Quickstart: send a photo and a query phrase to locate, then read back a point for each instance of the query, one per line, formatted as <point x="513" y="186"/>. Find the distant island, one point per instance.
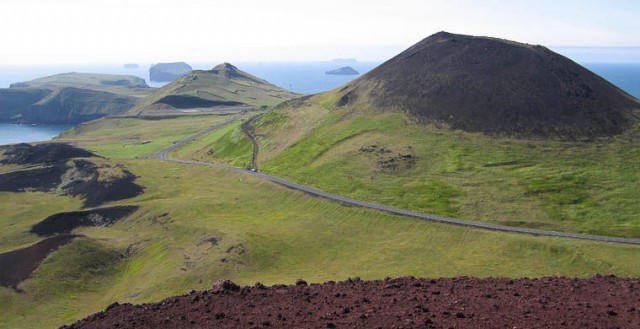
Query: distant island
<point x="167" y="72"/>
<point x="131" y="66"/>
<point x="346" y="70"/>
<point x="70" y="98"/>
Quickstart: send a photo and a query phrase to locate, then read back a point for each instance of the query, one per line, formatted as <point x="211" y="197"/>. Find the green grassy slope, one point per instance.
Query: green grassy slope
<point x="127" y="138"/>
<point x="199" y="224"/>
<point x="224" y="83"/>
<point x="385" y="157"/>
<point x="228" y="145"/>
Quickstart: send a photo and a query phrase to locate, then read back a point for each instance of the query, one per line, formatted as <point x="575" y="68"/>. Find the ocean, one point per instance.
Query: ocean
<point x="301" y="77"/>
<point x="625" y="76"/>
<point x="13" y="133"/>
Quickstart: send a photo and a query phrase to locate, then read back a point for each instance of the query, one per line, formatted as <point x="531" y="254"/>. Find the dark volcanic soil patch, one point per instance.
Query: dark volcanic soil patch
<point x="38" y="179"/>
<point x="41" y="153"/>
<point x="387" y="160"/>
<point x="16" y="266"/>
<point x="97" y="191"/>
<point x="599" y="302"/>
<point x="76" y="178"/>
<point x="495" y="86"/>
<point x="67" y="221"/>
<point x="186" y="102"/>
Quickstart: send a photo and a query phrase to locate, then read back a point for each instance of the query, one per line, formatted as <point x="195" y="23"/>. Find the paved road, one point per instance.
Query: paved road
<point x="163" y="154"/>
<point x="154" y="114"/>
<point x="351" y="202"/>
<point x="248" y="130"/>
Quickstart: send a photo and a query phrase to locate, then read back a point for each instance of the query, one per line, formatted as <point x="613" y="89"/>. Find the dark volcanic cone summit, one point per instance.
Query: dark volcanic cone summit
<point x="495" y="86"/>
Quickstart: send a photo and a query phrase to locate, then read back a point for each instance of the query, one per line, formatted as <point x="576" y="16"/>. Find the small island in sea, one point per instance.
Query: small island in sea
<point x="167" y="72"/>
<point x="346" y="70"/>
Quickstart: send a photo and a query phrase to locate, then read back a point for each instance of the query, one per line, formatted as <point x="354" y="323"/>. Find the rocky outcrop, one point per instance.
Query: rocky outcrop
<point x="27" y="154"/>
<point x="167" y="72"/>
<point x="89" y="177"/>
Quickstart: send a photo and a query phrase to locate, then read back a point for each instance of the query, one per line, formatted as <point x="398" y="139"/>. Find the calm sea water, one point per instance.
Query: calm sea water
<point x="625" y="76"/>
<point x="306" y="78"/>
<point x="13" y="133"/>
<point x="303" y="77"/>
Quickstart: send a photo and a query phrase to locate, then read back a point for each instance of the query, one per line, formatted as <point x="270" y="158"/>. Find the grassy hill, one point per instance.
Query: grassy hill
<point x="580" y="175"/>
<point x="196" y="225"/>
<point x="389" y="158"/>
<point x="223" y="85"/>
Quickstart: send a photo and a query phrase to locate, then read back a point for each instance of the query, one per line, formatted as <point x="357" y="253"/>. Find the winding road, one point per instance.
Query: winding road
<point x="163" y="155"/>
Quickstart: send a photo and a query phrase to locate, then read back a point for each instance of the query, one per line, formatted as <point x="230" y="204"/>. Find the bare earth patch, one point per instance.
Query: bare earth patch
<point x="16" y="266"/>
<point x="67" y="221"/>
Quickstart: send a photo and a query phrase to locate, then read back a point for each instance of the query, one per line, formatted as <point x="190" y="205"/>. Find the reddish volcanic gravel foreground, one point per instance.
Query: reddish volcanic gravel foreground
<point x="554" y="302"/>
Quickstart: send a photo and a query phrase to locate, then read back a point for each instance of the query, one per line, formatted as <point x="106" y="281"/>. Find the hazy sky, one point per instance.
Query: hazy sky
<point x="146" y="31"/>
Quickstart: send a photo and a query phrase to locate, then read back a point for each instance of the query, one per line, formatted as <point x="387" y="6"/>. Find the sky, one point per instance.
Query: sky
<point x="151" y="31"/>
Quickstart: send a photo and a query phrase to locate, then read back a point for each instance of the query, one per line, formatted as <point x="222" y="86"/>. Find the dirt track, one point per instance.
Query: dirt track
<point x="599" y="302"/>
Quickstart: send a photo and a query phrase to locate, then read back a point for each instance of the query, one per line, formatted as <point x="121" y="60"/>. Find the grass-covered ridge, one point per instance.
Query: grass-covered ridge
<point x="223" y="85"/>
<point x="385" y="157"/>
